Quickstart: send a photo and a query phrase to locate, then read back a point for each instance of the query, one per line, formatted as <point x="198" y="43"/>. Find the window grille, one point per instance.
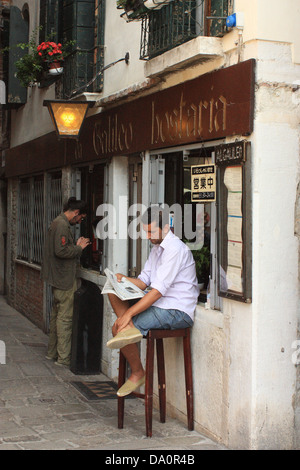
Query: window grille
<point x="181" y="21"/>
<point x="84" y="24"/>
<point x="37" y="222"/>
<point x="55" y="199"/>
<point x="31" y="220"/>
<point x="24" y="221"/>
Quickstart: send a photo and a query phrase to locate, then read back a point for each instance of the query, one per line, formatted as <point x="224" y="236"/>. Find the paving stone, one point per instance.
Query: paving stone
<point x="41" y="410"/>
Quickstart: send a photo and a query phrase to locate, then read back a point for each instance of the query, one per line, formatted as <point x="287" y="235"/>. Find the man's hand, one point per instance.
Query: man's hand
<point x="122" y="321"/>
<point x="83" y="242"/>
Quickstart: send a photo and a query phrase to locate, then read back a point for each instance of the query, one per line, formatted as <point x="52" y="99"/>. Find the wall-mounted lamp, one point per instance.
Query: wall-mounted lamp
<point x="68" y="116"/>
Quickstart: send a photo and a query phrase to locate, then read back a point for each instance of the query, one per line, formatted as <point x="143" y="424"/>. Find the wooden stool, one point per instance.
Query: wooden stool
<point x="159" y="335"/>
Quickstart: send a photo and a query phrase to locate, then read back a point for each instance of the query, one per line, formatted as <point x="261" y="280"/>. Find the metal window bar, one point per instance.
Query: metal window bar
<point x="23" y="242"/>
<point x="55" y="199"/>
<point x="181" y="21"/>
<point x="79" y="68"/>
<point x="218" y="10"/>
<point x="38" y="222"/>
<point x="168" y="27"/>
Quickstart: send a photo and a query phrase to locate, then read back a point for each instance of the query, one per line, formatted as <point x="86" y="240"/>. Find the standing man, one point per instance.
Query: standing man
<point x="60" y="261"/>
<point x="171" y="302"/>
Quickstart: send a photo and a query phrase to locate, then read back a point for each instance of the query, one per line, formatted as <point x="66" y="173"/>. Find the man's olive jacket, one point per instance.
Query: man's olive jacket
<point x="61" y="255"/>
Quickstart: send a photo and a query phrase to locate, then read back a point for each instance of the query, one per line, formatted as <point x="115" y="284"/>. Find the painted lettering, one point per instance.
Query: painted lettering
<point x="188" y="120"/>
<point x="113" y="136"/>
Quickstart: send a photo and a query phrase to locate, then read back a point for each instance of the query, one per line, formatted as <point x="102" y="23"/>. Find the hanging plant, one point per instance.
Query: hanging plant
<point x="33" y="66"/>
<point x="137" y="8"/>
<point x="134" y="9"/>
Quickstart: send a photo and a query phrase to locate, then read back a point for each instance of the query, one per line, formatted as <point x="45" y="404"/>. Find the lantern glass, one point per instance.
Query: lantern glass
<point x="67" y="116"/>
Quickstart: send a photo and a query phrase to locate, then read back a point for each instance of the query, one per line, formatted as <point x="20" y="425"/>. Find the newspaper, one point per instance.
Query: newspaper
<point x="124" y="289"/>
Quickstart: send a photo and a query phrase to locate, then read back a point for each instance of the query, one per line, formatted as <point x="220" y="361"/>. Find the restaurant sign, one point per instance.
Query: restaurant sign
<point x="211" y="106"/>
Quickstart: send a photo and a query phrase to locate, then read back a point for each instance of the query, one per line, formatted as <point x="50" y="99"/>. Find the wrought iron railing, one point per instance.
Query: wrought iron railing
<point x="79" y="69"/>
<point x="181" y="21"/>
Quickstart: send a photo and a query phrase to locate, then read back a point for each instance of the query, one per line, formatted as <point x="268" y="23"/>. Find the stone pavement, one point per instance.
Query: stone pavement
<point x="41" y="410"/>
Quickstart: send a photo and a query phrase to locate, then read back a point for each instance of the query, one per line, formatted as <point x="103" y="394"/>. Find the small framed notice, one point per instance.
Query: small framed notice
<point x="234" y="221"/>
<point x="203" y="183"/>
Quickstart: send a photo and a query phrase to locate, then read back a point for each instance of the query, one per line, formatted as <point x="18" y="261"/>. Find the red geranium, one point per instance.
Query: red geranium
<point x="50" y="51"/>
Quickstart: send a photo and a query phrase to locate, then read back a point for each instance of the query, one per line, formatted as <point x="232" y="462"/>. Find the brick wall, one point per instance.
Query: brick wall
<point x="29" y="294"/>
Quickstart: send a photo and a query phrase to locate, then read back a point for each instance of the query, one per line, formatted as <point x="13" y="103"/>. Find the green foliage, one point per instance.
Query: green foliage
<point x="29" y="69"/>
<point x="33" y="64"/>
<point x="202" y="260"/>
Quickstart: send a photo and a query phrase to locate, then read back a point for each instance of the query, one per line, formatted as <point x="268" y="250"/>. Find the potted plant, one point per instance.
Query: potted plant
<point x="39" y="61"/>
<point x="156" y="4"/>
<point x="51" y="54"/>
<point x="134" y="9"/>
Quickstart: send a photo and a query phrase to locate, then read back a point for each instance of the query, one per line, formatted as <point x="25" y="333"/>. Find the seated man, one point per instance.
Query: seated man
<point x="170" y="304"/>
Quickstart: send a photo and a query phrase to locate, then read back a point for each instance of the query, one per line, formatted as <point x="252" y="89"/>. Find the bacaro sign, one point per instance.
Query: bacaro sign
<point x="214" y="105"/>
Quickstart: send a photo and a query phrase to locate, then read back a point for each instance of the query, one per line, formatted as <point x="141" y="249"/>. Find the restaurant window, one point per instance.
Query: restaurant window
<point x="92" y="188"/>
<point x="83" y="23"/>
<point x="193" y="222"/>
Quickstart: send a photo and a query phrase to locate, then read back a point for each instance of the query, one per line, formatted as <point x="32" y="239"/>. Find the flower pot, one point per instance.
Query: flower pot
<point x="156" y="4"/>
<point x="55" y="68"/>
<point x="134" y="10"/>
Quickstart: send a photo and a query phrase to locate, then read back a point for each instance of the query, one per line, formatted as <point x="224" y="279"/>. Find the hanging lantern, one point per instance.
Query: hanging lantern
<point x="68" y="116"/>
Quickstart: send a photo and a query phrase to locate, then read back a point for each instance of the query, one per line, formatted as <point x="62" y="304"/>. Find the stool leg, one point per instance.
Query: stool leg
<point x="188" y="379"/>
<point x="149" y="385"/>
<point x="161" y="379"/>
<point x="121" y="380"/>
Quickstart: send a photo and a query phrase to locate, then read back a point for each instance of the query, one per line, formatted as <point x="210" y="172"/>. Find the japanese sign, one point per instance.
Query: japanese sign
<point x="203" y="183"/>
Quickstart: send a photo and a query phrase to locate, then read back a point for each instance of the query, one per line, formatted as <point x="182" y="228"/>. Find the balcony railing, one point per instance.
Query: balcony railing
<point x="181" y="21"/>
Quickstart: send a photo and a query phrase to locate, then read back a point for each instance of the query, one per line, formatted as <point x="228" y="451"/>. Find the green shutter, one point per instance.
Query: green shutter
<point x="18" y="33"/>
<point x="79" y="26"/>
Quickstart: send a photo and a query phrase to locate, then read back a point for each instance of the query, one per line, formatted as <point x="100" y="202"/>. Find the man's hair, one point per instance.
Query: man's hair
<point x="74" y="204"/>
<point x="156" y="214"/>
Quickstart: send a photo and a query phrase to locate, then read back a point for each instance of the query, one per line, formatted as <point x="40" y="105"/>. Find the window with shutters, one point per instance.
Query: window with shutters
<point x="83" y="22"/>
<point x="80" y="21"/>
<point x="180" y="21"/>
